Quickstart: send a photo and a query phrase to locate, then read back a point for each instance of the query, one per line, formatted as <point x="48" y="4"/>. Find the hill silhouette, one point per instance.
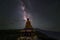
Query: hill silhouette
<point x="51" y="35"/>
<point x="42" y="34"/>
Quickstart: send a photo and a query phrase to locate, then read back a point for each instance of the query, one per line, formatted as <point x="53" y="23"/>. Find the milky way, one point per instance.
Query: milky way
<point x="25" y="13"/>
<point x="41" y="12"/>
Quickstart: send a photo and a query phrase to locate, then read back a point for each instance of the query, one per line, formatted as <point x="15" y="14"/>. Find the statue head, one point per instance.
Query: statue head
<point x="27" y="19"/>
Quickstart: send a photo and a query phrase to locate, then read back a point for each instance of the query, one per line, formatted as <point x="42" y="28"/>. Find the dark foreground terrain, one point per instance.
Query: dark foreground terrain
<point x="14" y="34"/>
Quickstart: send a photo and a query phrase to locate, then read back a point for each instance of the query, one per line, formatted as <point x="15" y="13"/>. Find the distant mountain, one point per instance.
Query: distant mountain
<point x="13" y="34"/>
<point x="50" y="34"/>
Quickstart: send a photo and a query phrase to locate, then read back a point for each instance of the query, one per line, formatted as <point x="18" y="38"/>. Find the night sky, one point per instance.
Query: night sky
<point x="44" y="14"/>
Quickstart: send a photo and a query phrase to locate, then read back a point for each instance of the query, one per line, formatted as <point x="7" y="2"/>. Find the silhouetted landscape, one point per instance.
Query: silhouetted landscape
<point x="14" y="34"/>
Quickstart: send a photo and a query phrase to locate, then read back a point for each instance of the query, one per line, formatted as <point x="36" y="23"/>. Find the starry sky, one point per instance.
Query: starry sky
<point x="44" y="14"/>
